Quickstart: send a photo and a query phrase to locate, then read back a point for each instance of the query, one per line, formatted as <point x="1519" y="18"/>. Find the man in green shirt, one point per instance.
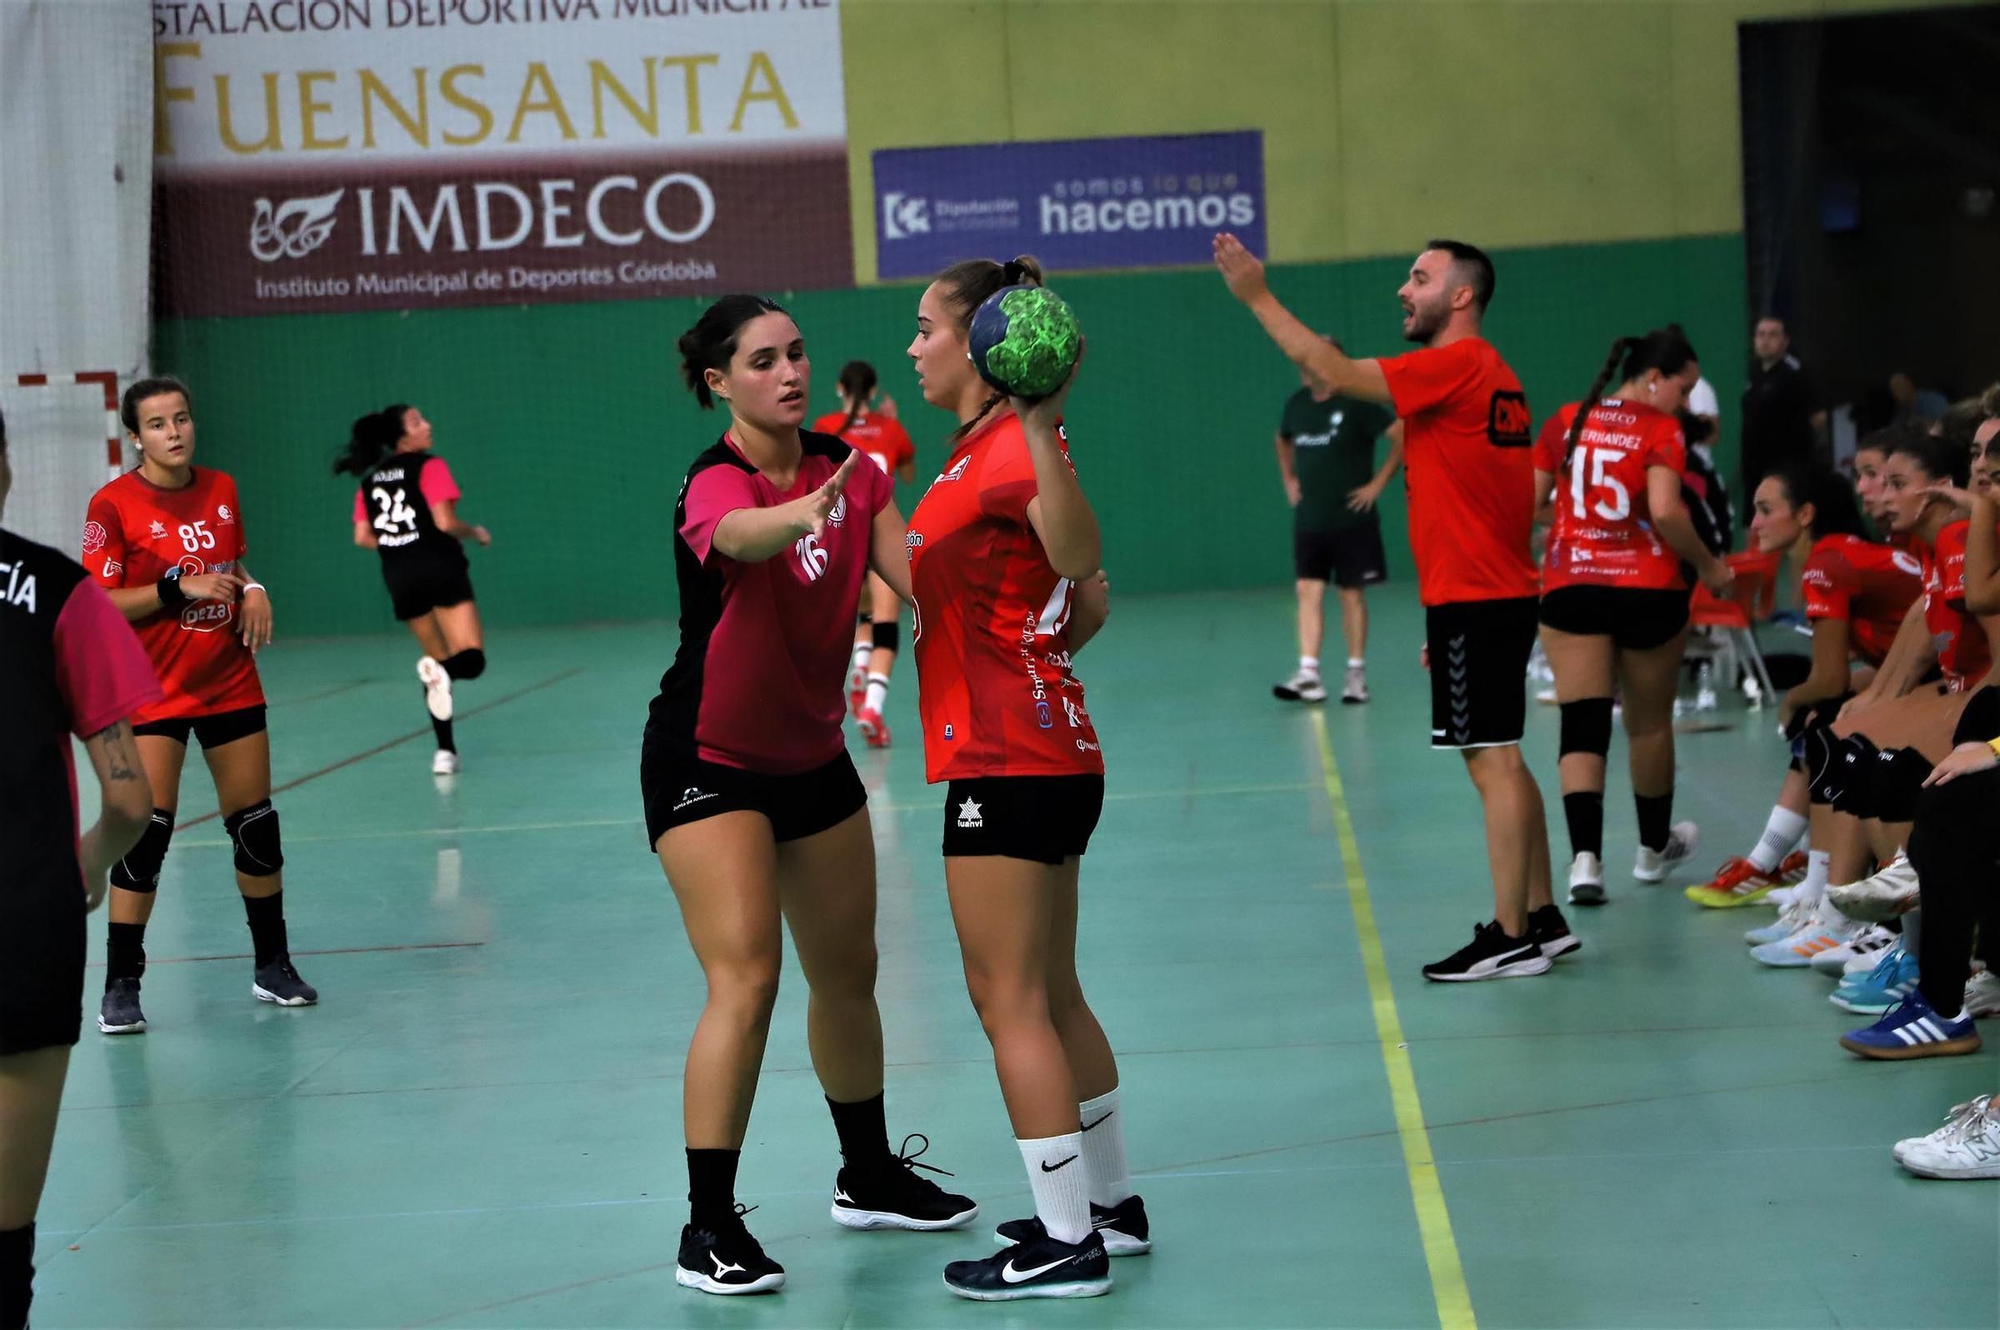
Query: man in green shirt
<point x="1326" y="457"/>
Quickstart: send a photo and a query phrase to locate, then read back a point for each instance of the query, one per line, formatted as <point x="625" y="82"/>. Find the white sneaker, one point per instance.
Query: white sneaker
<point x="1354" y="688"/>
<point x="1301" y="687"/>
<point x="1982" y="994"/>
<point x="1653" y="866"/>
<point x="1798" y="912"/>
<point x="1586" y="880"/>
<point x="1858" y="954"/>
<point x="444" y="763"/>
<point x="1892" y="891"/>
<point x="1797" y="951"/>
<point x="1966" y="1146"/>
<point x="437" y="688"/>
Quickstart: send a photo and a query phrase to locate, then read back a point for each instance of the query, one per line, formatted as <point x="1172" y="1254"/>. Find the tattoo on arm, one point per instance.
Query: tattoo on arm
<point x="120" y="762"/>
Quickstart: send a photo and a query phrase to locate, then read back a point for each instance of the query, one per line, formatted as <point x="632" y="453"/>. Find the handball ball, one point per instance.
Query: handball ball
<point x="1025" y="341"/>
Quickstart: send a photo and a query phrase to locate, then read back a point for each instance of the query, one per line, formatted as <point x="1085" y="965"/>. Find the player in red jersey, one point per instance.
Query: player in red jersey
<point x="406" y="510"/>
<point x="1466" y="439"/>
<point x="752" y="803"/>
<point x="1004" y="555"/>
<point x="1856" y="593"/>
<point x="69" y="665"/>
<point x="1614" y="595"/>
<point x="876" y="435"/>
<point x="166" y="541"/>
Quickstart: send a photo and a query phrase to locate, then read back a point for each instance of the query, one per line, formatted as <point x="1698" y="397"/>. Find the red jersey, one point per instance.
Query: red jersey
<point x="136" y="534"/>
<point x="1466" y="437"/>
<point x="1871" y="586"/>
<point x="1960" y="642"/>
<point x="992" y="623"/>
<point x="757" y="682"/>
<point x="1604" y="535"/>
<point x="881" y="439"/>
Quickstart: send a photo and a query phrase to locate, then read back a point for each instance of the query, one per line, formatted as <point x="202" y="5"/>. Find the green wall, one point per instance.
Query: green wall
<point x="569" y="430"/>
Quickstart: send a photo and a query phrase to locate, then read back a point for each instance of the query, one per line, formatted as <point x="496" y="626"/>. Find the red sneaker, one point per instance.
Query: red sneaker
<point x="873" y="728"/>
<point x="1738" y="882"/>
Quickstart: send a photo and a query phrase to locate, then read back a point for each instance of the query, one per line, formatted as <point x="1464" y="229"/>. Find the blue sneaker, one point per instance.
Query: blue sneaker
<point x="1882" y="988"/>
<point x="1913" y="1030"/>
<point x="1797" y="951"/>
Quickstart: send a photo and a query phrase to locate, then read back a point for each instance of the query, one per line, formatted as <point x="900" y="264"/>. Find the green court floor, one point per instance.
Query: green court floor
<point x="480" y="1124"/>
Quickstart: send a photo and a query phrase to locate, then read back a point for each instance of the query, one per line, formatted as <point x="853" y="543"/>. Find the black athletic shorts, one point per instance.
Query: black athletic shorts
<point x="1479" y="667"/>
<point x="1046" y="819"/>
<point x="680" y="788"/>
<point x="421" y="583"/>
<point x="41" y="967"/>
<point x="225" y="727"/>
<point x="1635" y="619"/>
<point x="1351" y="558"/>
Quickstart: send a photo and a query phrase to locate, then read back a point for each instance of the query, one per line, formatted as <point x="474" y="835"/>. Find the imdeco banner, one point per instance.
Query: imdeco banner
<point x="321" y="155"/>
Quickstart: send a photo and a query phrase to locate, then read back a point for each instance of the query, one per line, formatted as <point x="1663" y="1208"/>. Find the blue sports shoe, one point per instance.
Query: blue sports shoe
<point x="1882" y="988"/>
<point x="1913" y="1030"/>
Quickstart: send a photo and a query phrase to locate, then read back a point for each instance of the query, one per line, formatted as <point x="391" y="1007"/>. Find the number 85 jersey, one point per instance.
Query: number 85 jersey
<point x="992" y="627"/>
<point x="136" y="534"/>
<point x="1604" y="533"/>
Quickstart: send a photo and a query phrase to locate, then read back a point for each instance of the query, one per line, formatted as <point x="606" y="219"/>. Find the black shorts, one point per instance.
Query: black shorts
<point x="225" y="727"/>
<point x="1635" y="619"/>
<point x="1045" y="819"/>
<point x="1479" y="671"/>
<point x="41" y="967"/>
<point x="680" y="788"/>
<point x="419" y="584"/>
<point x="1350" y="558"/>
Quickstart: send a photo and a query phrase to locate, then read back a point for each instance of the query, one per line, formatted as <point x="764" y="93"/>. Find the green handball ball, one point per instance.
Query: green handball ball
<point x="1025" y="341"/>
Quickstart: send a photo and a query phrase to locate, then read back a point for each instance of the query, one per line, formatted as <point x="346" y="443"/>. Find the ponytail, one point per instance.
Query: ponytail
<point x="372" y="438"/>
<point x="857" y="384"/>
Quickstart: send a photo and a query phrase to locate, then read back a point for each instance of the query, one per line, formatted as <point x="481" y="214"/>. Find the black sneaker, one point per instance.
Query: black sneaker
<point x="278" y="982"/>
<point x="722" y="1257"/>
<point x="1123" y="1228"/>
<point x="120" y="1013"/>
<point x="1490" y="955"/>
<point x="895" y="1197"/>
<point x="1043" y="1268"/>
<point x="1548" y="930"/>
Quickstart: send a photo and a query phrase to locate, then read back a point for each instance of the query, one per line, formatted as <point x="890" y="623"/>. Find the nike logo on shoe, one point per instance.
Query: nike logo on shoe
<point x="1050" y="1168"/>
<point x="1100" y="1122"/>
<point x="1013" y="1276"/>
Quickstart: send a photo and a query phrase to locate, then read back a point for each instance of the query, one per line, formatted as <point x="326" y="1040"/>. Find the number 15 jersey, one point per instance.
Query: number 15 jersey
<point x="1604" y="533"/>
<point x="136" y="534"/>
<point x="992" y="627"/>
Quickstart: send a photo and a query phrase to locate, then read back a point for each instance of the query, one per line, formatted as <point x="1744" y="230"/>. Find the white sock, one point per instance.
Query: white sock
<point x="1355" y="662"/>
<point x="1059" y="1176"/>
<point x="1781" y="834"/>
<point x="1813" y="889"/>
<point x="1309" y="665"/>
<point x="863" y="653"/>
<point x="878" y="693"/>
<point x="1104" y="1150"/>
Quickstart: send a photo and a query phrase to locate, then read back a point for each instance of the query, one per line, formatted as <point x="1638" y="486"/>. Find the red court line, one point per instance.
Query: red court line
<point x="327" y="951"/>
<point x="397" y="742"/>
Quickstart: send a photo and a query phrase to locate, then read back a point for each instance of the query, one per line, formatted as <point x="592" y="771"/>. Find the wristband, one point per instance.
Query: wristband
<point x="256" y="586"/>
<point x="171" y="595"/>
<point x="1994" y="744"/>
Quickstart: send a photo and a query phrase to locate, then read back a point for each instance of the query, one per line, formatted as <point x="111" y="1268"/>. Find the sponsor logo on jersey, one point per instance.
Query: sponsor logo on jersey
<point x="912" y="540"/>
<point x="94" y="536"/>
<point x="1508" y="424"/>
<point x="957" y="470"/>
<point x="837" y="515"/>
<point x="113" y="568"/>
<point x="223" y="513"/>
<point x="158" y="531"/>
<point x="1908" y="562"/>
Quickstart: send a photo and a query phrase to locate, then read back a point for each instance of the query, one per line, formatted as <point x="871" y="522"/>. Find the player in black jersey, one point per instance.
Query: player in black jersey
<point x="406" y="511"/>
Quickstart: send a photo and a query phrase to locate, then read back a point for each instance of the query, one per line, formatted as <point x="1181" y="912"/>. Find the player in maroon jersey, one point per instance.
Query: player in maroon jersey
<point x="752" y="803"/>
<point x="166" y="540"/>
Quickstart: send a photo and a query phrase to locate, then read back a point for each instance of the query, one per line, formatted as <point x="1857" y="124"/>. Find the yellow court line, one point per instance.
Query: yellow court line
<point x="1454" y="1302"/>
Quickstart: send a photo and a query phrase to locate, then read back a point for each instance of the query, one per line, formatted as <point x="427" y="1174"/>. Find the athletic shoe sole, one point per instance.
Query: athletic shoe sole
<point x="1080" y="1288"/>
<point x="1561" y="946"/>
<point x="1712" y="899"/>
<point x="264" y="994"/>
<point x="1284" y="694"/>
<point x="696" y="1280"/>
<point x="1115" y="1243"/>
<point x="1940" y="1048"/>
<point x="1512" y="970"/>
<point x="1955" y="1175"/>
<point x="870" y="1219"/>
<point x="137" y="1028"/>
<point x="1586" y="893"/>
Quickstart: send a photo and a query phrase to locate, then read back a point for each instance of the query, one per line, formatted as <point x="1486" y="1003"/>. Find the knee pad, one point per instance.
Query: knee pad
<point x="1831" y="763"/>
<point x="1586" y="726"/>
<point x="1897" y="780"/>
<point x="888" y="636"/>
<point x="255" y="832"/>
<point x="139" y="870"/>
<point x="467" y="664"/>
<point x="1853" y="781"/>
<point x="863" y="617"/>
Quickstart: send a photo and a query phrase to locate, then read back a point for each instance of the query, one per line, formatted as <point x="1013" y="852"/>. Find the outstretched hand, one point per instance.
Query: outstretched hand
<point x="1242" y="271"/>
<point x="815" y="508"/>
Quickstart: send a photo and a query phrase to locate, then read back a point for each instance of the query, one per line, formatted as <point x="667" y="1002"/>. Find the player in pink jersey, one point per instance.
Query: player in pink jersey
<point x="752" y="803"/>
<point x="1004" y="553"/>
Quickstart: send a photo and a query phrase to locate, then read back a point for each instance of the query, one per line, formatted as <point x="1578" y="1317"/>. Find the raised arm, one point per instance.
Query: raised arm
<point x="1243" y="273"/>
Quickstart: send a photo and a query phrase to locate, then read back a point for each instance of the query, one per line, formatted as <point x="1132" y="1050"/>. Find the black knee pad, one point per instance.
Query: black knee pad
<point x="1832" y="763"/>
<point x="1586" y="726"/>
<point x="1896" y="781"/>
<point x="888" y="636"/>
<point x="255" y="831"/>
<point x="139" y="870"/>
<point x="1853" y="779"/>
<point x="467" y="664"/>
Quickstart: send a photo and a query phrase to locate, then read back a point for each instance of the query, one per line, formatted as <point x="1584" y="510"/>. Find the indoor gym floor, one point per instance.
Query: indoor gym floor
<point x="480" y="1125"/>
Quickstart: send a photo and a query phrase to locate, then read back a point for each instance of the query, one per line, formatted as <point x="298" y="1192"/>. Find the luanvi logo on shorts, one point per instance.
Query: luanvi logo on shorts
<point x="969" y="816"/>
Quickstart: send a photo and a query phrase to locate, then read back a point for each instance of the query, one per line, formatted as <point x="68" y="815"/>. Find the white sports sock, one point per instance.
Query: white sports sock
<point x="1355" y="662"/>
<point x="1818" y="864"/>
<point x="1308" y="664"/>
<point x="862" y="652"/>
<point x="1781" y="835"/>
<point x="1104" y="1149"/>
<point x="878" y="693"/>
<point x="1059" y="1176"/>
